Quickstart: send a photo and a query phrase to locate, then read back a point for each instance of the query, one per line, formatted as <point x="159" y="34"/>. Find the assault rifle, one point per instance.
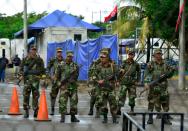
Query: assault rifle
<point x="162" y="78"/>
<point x="105" y="84"/>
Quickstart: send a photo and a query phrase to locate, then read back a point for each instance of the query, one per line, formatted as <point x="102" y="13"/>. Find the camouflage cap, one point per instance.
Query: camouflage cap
<point x="106" y="50"/>
<point x="58" y="49"/>
<point x="69" y="53"/>
<point x="33" y="47"/>
<point x="131" y="51"/>
<point x="157" y="51"/>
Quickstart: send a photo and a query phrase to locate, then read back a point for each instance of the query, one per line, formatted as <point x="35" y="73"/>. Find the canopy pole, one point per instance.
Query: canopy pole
<point x="25" y="28"/>
<point x="181" y="81"/>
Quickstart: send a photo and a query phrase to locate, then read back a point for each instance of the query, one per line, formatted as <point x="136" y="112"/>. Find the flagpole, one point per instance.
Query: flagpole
<point x="181" y="80"/>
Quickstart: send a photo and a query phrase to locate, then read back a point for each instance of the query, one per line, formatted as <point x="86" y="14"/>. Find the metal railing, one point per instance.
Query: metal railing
<point x="128" y="120"/>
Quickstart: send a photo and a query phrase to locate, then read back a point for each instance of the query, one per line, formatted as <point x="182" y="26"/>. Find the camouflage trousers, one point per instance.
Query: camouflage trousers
<point x="95" y="98"/>
<point x="54" y="92"/>
<point x="63" y="99"/>
<point x="31" y="86"/>
<point x="131" y="89"/>
<point x="108" y="96"/>
<point x="158" y="100"/>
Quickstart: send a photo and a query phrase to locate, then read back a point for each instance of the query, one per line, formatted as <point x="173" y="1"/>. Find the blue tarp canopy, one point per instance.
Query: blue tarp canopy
<point x="86" y="52"/>
<point x="58" y="19"/>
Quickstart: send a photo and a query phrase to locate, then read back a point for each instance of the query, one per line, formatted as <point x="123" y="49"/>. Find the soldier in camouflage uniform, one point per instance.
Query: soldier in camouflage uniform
<point x="129" y="77"/>
<point x="53" y="63"/>
<point x="95" y="92"/>
<point x="32" y="67"/>
<point x="105" y="76"/>
<point x="158" y="95"/>
<point x="68" y="72"/>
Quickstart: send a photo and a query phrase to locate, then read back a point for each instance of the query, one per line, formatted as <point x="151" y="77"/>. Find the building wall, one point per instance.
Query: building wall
<point x="6" y="46"/>
<point x="17" y="47"/>
<point x="57" y="34"/>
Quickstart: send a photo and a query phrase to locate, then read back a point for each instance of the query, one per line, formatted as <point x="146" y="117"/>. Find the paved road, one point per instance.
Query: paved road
<point x="179" y="103"/>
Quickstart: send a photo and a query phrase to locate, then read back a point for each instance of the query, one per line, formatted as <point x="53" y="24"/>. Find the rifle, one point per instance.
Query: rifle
<point x="105" y="84"/>
<point x="162" y="78"/>
<point x="19" y="80"/>
<point x="66" y="79"/>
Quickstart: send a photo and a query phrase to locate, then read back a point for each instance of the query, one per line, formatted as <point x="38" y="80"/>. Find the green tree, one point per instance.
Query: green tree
<point x="11" y="24"/>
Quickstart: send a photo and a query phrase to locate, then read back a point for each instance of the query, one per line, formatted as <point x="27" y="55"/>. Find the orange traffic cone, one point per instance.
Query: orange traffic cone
<point x="14" y="105"/>
<point x="43" y="110"/>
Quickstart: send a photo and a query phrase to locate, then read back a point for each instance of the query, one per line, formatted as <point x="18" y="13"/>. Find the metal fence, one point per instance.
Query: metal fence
<point x="128" y="121"/>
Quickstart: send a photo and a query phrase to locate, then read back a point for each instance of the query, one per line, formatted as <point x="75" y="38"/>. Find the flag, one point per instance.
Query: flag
<point x="112" y="16"/>
<point x="179" y="16"/>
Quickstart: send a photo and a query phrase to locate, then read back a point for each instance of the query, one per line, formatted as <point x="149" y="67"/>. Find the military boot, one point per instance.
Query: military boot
<point x="62" y="118"/>
<point x="97" y="115"/>
<point x="90" y="112"/>
<point x="105" y="119"/>
<point x="74" y="119"/>
<point x="52" y="111"/>
<point x="167" y="121"/>
<point x="132" y="111"/>
<point x="35" y="113"/>
<point x="26" y="115"/>
<point x="150" y="120"/>
<point x="114" y="120"/>
<point x="119" y="111"/>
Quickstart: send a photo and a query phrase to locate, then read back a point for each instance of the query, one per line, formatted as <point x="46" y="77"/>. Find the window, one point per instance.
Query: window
<point x="3" y="43"/>
<point x="77" y="37"/>
<point x="156" y="44"/>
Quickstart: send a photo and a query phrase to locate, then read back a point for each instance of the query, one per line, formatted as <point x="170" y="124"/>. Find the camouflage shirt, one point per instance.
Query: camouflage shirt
<point x="132" y="72"/>
<point x="32" y="67"/>
<point x="53" y="63"/>
<point x="154" y="70"/>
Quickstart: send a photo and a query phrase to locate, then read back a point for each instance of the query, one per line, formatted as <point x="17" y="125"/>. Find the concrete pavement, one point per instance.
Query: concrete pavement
<point x="178" y="100"/>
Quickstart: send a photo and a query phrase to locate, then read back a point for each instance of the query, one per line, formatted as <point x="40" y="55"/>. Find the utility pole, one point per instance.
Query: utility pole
<point x="92" y="17"/>
<point x="25" y="27"/>
<point x="181" y="81"/>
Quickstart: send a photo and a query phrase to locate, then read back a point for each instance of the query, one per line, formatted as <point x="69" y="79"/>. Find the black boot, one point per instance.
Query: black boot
<point x="132" y="111"/>
<point x="167" y="121"/>
<point x="105" y="119"/>
<point x="62" y="118"/>
<point x="74" y="119"/>
<point x="52" y="111"/>
<point x="35" y="113"/>
<point x="26" y="115"/>
<point x="97" y="115"/>
<point x="114" y="120"/>
<point x="119" y="111"/>
<point x="90" y="112"/>
<point x="150" y="120"/>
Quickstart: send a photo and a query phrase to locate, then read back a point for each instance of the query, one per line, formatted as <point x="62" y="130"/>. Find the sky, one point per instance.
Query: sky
<point x="75" y="7"/>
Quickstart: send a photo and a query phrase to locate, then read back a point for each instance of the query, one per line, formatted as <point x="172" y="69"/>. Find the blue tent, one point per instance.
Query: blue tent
<point x="57" y="19"/>
<point x="85" y="53"/>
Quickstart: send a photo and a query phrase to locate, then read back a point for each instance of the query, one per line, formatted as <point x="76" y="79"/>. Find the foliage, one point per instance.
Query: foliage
<point x="93" y="35"/>
<point x="11" y="24"/>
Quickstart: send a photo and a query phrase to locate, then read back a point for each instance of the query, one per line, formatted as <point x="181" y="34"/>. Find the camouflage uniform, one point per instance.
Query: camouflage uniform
<point x="94" y="93"/>
<point x="158" y="95"/>
<point x="69" y="88"/>
<point x="53" y="63"/>
<point x="128" y="82"/>
<point x="107" y="89"/>
<point x="31" y="68"/>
